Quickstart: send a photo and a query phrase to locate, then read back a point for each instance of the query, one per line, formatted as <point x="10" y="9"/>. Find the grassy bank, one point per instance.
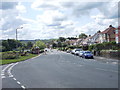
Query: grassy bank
<point x="21" y="58"/>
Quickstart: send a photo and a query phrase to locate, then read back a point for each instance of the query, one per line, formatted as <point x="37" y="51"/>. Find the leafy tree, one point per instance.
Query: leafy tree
<point x="29" y="45"/>
<point x="5" y="46"/>
<point x="54" y="45"/>
<point x="83" y="36"/>
<point x="39" y="44"/>
<point x="62" y="39"/>
<point x="59" y="44"/>
<point x="10" y="44"/>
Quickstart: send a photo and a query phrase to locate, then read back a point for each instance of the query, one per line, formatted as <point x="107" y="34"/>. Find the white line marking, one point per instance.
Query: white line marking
<point x="18" y="82"/>
<point x="14" y="78"/>
<point x="23" y="87"/>
<point x="3" y="77"/>
<point x="2" y="74"/>
<point x="9" y="70"/>
<point x="7" y="67"/>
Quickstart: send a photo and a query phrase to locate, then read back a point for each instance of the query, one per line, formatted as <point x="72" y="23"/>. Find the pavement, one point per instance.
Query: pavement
<point x="59" y="69"/>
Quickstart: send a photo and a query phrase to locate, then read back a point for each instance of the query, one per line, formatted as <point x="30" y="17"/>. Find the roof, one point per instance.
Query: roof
<point x="108" y="29"/>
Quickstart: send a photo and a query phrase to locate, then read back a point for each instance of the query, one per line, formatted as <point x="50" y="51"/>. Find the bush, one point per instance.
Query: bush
<point x="9" y="55"/>
<point x="104" y="46"/>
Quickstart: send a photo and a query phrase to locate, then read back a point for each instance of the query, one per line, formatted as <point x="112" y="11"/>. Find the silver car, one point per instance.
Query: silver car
<point x="81" y="53"/>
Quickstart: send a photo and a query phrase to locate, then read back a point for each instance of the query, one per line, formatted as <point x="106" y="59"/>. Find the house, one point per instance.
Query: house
<point x="107" y="35"/>
<point x="87" y="41"/>
<point x="117" y="35"/>
<point x="95" y="38"/>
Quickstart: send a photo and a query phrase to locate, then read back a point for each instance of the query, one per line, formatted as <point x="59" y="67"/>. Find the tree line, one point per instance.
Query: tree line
<point x="12" y="44"/>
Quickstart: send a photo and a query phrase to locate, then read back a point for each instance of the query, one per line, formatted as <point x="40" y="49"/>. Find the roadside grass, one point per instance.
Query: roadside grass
<point x="21" y="58"/>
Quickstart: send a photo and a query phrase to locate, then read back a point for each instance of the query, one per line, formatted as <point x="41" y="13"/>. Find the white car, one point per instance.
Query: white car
<point x="73" y="51"/>
<point x="76" y="51"/>
<point x="81" y="53"/>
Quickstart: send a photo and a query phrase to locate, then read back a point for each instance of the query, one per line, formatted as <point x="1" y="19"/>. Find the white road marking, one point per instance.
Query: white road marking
<point x="2" y="74"/>
<point x="23" y="87"/>
<point x="14" y="78"/>
<point x="18" y="82"/>
<point x="3" y="77"/>
<point x="7" y="67"/>
<point x="9" y="70"/>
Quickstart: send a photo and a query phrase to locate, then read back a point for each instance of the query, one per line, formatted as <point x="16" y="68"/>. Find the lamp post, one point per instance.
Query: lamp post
<point x="16" y="40"/>
<point x="16" y="31"/>
<point x="16" y="35"/>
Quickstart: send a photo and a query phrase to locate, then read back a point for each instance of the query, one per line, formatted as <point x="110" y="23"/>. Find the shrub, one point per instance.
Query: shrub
<point x="9" y="56"/>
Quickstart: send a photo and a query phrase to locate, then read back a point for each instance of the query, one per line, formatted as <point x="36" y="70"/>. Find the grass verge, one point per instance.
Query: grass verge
<point x="22" y="58"/>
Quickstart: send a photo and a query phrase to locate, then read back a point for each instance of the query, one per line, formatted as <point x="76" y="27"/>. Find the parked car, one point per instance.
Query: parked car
<point x="87" y="54"/>
<point x="68" y="51"/>
<point x="73" y="51"/>
<point x="81" y="53"/>
<point x="76" y="51"/>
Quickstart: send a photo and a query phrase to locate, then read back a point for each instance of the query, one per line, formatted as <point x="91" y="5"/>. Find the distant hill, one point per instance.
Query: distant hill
<point x="25" y="41"/>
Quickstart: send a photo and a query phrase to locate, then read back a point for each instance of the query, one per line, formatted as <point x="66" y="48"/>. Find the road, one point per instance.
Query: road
<point x="60" y="70"/>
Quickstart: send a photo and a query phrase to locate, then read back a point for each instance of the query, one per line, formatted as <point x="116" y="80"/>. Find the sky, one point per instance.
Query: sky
<point x="50" y="19"/>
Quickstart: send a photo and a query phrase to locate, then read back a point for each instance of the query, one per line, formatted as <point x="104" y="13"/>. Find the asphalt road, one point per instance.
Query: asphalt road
<point x="60" y="70"/>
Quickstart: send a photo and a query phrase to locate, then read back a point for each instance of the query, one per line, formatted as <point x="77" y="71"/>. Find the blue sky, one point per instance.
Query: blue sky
<point x="46" y="19"/>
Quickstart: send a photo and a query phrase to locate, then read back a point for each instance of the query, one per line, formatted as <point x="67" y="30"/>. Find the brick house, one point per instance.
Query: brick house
<point x="117" y="35"/>
<point x="107" y="35"/>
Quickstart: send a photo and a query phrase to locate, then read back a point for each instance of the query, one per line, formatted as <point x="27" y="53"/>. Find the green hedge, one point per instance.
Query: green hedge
<point x="105" y="46"/>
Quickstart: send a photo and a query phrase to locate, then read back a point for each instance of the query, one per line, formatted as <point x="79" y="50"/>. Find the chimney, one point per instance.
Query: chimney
<point x="98" y="31"/>
<point x="89" y="35"/>
<point x="110" y="26"/>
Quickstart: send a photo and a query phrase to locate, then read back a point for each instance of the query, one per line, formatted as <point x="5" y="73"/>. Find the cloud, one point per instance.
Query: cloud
<point x="21" y="8"/>
<point x="8" y="5"/>
<point x="55" y="18"/>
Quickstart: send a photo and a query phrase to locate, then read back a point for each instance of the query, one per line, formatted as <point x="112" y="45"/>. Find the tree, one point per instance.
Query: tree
<point x="10" y="44"/>
<point x="59" y="44"/>
<point x="62" y="39"/>
<point x="83" y="36"/>
<point x="29" y="45"/>
<point x="54" y="45"/>
<point x="39" y="44"/>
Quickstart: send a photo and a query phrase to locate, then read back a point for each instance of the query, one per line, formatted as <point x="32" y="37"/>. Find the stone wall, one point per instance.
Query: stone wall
<point x="109" y="54"/>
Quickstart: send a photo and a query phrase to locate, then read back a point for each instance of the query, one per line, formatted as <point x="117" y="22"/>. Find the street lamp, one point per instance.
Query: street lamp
<point x="16" y="36"/>
<point x="16" y="31"/>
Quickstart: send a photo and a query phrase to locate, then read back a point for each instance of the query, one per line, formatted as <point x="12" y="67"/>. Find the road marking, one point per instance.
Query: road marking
<point x="14" y="78"/>
<point x="2" y="74"/>
<point x="9" y="70"/>
<point x="18" y="82"/>
<point x="3" y="77"/>
<point x="23" y="87"/>
<point x="7" y="67"/>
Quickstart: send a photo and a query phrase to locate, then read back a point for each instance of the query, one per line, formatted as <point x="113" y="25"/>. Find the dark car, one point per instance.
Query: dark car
<point x="87" y="54"/>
